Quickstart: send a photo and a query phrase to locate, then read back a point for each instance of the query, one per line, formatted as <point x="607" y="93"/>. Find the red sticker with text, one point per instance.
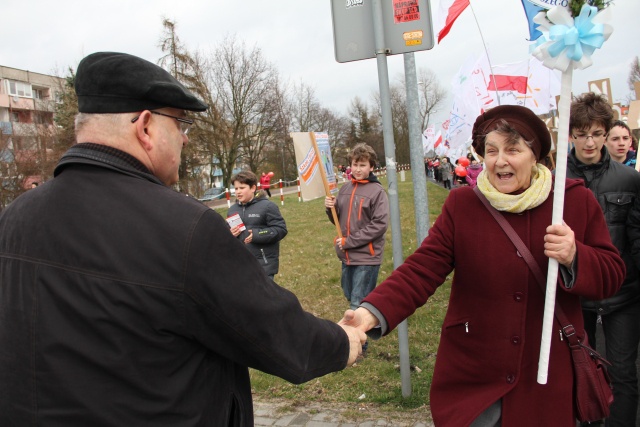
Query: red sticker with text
<point x="405" y="11"/>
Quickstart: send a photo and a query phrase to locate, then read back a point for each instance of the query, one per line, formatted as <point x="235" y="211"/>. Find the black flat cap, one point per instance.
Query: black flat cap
<point x="111" y="82"/>
<point x="522" y="119"/>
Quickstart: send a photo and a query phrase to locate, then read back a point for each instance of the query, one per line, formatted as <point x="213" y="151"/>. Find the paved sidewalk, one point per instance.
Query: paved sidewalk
<point x="282" y="412"/>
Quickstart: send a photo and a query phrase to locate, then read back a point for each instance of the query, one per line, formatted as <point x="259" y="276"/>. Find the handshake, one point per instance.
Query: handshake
<point x="355" y="324"/>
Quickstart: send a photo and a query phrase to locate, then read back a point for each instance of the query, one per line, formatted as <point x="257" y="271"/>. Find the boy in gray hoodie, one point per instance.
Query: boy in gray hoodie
<point x="362" y="207"/>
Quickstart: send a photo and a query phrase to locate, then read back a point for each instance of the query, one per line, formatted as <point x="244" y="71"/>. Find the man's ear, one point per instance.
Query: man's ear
<point x="142" y="130"/>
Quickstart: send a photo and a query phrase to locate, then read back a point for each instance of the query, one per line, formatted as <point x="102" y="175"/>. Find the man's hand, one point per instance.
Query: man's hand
<point x="560" y="244"/>
<point x="361" y="319"/>
<point x="357" y="338"/>
<point x="249" y="238"/>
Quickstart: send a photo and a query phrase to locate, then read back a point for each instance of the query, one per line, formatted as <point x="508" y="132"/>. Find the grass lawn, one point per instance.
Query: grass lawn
<point x="310" y="269"/>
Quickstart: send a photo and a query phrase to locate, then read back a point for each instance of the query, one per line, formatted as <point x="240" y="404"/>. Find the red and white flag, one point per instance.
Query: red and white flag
<point x="437" y="140"/>
<point x="428" y="139"/>
<point x="448" y="12"/>
<point x="440" y="148"/>
<point x="467" y="105"/>
<point x="527" y="83"/>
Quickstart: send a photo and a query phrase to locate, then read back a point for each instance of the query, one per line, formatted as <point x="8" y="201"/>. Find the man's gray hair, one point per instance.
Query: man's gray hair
<point x="115" y="121"/>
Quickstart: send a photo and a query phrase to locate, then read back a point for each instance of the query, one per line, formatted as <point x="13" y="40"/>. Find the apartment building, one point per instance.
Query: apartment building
<point x="27" y="104"/>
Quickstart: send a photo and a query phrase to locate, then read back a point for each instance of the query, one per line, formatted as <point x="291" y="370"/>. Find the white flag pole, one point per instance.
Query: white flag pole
<point x="564" y="52"/>
<point x="556" y="218"/>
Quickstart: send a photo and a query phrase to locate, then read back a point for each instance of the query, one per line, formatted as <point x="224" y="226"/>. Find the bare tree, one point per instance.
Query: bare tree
<point x="280" y="156"/>
<point x="243" y="81"/>
<point x="634" y="74"/>
<point x="366" y="126"/>
<point x="430" y="97"/>
<point x="24" y="158"/>
<point x="308" y="115"/>
<point x="10" y="187"/>
<point x="430" y="94"/>
<point x="180" y="64"/>
<point x="66" y="109"/>
<point x="304" y="109"/>
<point x="337" y="127"/>
<point x="210" y="138"/>
<point x="250" y="111"/>
<point x="399" y="119"/>
<point x="264" y="131"/>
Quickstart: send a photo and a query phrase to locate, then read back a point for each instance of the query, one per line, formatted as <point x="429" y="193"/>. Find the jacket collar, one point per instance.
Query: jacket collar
<point x="104" y="156"/>
<point x="370" y="178"/>
<point x="258" y="197"/>
<point x="602" y="164"/>
<point x="589" y="172"/>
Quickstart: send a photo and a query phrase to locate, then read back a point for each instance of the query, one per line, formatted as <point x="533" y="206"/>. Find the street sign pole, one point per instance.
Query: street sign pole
<point x="390" y="161"/>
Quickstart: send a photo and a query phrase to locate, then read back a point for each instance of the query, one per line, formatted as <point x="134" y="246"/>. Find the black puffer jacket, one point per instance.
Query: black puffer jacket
<point x="262" y="217"/>
<point x="616" y="188"/>
<point x="125" y="303"/>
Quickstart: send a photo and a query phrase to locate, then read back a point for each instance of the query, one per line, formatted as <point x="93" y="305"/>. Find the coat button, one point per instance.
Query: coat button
<point x="515" y="340"/>
<point x="518" y="296"/>
<point x="511" y="378"/>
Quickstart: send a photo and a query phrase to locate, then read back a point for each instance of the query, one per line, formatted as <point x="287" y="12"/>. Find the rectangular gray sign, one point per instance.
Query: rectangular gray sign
<point x="407" y="28"/>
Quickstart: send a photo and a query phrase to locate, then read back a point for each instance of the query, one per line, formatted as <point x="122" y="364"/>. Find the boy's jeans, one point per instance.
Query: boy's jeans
<point x="357" y="281"/>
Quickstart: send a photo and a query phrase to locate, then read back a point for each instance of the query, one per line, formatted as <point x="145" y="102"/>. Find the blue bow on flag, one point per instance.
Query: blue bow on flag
<point x="584" y="36"/>
<point x="571" y="41"/>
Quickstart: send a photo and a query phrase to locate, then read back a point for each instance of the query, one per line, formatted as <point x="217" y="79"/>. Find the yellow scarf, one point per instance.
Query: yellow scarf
<point x="533" y="196"/>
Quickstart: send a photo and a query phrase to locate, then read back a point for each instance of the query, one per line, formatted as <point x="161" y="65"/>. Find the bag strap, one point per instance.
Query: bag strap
<point x="567" y="328"/>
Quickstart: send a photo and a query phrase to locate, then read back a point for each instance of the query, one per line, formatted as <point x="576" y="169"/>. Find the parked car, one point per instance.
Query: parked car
<point x="214" y="193"/>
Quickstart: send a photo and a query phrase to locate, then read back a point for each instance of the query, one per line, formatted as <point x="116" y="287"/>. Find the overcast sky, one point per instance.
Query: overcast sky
<point x="48" y="36"/>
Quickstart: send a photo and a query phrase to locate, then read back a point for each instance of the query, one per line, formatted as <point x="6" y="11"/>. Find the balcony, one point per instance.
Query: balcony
<point x="6" y="128"/>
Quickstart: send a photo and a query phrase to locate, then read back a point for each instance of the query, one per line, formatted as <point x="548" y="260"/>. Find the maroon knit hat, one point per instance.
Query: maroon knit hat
<point x="522" y="119"/>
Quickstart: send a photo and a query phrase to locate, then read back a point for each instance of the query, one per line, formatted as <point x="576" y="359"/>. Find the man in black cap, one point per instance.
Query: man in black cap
<point x="124" y="303"/>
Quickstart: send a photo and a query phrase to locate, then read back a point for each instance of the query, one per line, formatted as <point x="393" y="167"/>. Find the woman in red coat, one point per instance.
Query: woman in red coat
<point x="485" y="371"/>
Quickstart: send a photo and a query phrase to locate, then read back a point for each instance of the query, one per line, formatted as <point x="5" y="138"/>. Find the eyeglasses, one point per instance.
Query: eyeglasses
<point x="594" y="136"/>
<point x="185" y="124"/>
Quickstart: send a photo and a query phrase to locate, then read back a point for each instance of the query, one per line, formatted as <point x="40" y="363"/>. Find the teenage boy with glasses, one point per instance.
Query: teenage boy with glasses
<point x="616" y="187"/>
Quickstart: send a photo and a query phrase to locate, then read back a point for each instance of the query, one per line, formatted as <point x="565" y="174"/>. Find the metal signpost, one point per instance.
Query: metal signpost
<point x="365" y="29"/>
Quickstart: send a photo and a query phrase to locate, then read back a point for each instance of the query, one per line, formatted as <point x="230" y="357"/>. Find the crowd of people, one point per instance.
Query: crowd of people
<point x="463" y="171"/>
<point x="130" y="304"/>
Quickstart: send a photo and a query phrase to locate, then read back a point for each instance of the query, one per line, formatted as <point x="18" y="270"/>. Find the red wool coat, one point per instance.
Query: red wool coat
<point x="490" y="338"/>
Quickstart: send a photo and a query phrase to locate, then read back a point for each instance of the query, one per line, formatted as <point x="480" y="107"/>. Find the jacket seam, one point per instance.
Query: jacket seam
<point x="87" y="272"/>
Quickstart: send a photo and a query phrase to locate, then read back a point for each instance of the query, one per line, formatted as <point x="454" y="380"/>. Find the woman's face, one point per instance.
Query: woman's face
<point x="509" y="166"/>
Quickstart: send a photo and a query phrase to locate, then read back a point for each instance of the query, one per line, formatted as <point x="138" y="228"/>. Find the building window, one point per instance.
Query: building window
<point x="41" y="93"/>
<point x="42" y="117"/>
<point x="15" y="117"/>
<point x="15" y="88"/>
